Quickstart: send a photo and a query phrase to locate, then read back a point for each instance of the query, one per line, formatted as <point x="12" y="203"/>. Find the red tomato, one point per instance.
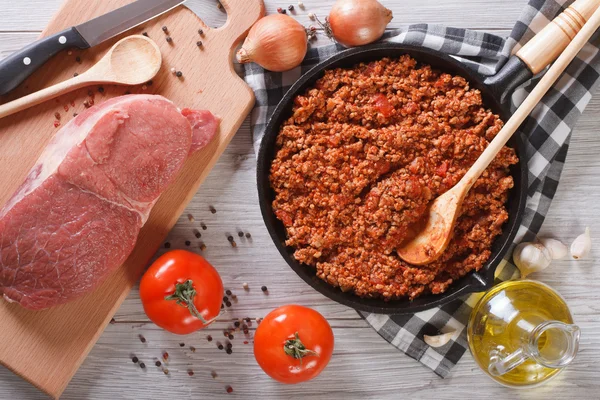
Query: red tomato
<point x="181" y="292"/>
<point x="383" y="105"/>
<point x="293" y="344"/>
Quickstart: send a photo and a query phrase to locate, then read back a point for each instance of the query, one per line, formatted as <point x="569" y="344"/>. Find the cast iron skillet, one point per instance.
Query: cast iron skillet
<point x="495" y="91"/>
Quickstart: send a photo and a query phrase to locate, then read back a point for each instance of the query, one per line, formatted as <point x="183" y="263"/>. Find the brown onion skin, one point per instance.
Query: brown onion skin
<point x="358" y="22"/>
<point x="276" y="42"/>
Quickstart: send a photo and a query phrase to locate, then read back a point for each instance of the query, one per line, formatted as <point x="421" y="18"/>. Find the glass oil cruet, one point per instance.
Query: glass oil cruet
<point x="521" y="333"/>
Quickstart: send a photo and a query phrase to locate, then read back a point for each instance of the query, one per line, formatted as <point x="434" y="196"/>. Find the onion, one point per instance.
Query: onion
<point x="358" y="22"/>
<point x="276" y="42"/>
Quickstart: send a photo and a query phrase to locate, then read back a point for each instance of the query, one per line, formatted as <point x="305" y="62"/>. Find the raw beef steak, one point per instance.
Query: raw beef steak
<point x="77" y="216"/>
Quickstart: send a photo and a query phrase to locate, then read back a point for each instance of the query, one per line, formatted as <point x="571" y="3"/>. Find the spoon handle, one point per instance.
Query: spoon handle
<point x="45" y="94"/>
<point x="530" y="102"/>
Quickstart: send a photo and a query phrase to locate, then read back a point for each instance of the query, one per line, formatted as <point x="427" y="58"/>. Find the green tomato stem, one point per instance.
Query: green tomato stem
<point x="184" y="296"/>
<point x="295" y="348"/>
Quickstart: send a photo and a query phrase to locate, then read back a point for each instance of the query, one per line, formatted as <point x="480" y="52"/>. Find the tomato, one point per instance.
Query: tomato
<point x="181" y="292"/>
<point x="383" y="105"/>
<point x="293" y="344"/>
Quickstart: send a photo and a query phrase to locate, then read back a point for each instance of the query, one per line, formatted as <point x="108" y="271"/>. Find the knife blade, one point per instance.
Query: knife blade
<point x="111" y="24"/>
<point x="15" y="68"/>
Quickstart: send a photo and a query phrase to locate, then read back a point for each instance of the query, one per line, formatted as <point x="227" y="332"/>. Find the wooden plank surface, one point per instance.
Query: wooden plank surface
<point x="364" y="365"/>
<point x="59" y="336"/>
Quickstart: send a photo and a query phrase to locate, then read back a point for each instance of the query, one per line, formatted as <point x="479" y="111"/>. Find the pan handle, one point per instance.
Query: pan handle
<point x="550" y="42"/>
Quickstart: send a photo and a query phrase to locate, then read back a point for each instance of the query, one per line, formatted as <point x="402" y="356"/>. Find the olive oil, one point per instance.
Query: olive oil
<point x="504" y="321"/>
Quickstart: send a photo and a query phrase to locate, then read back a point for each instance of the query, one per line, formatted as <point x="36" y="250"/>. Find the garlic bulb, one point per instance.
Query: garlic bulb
<point x="531" y="257"/>
<point x="276" y="42"/>
<point x="556" y="248"/>
<point x="439" y="340"/>
<point x="358" y="22"/>
<point x="582" y="245"/>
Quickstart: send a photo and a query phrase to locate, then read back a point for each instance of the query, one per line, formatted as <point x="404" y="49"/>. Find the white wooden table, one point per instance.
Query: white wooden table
<point x="363" y="364"/>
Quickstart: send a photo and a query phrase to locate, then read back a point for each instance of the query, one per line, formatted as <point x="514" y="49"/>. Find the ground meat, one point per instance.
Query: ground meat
<point x="361" y="158"/>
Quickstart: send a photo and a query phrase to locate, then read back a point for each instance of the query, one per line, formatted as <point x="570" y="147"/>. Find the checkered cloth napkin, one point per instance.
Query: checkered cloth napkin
<point x="546" y="133"/>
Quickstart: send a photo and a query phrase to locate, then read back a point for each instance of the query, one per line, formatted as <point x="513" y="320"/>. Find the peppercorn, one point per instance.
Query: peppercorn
<point x="237" y="324"/>
<point x="169" y="39"/>
<point x="212" y="209"/>
<point x="230" y="238"/>
<point x="145" y="34"/>
<point x="229" y="389"/>
<point x="113" y="321"/>
<point x="101" y="89"/>
<point x="245" y="331"/>
<point x="228" y="303"/>
<point x="192" y="349"/>
<point x="190" y="372"/>
<point x="167" y="245"/>
<point x="203" y="225"/>
<point x="220" y="347"/>
<point x="200" y="31"/>
<point x="209" y="338"/>
<point x="75" y="74"/>
<point x="164" y="28"/>
<point x="78" y="59"/>
<point x="142" y="365"/>
<point x="181" y="344"/>
<point x="241" y="234"/>
<point x="264" y="289"/>
<point x="199" y="43"/>
<point x="225" y="298"/>
<point x="230" y="337"/>
<point x="187" y="242"/>
<point x="142" y="338"/>
<point x="280" y="10"/>
<point x="248" y="320"/>
<point x="179" y="74"/>
<point x="134" y="359"/>
<point x="228" y="292"/>
<point x="248" y="235"/>
<point x="158" y="363"/>
<point x="197" y="234"/>
<point x="229" y="351"/>
<point x="229" y="345"/>
<point x="291" y="7"/>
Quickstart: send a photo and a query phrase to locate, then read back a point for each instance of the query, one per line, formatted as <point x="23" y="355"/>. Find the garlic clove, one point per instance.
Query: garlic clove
<point x="582" y="245"/>
<point x="439" y="340"/>
<point x="556" y="248"/>
<point x="531" y="257"/>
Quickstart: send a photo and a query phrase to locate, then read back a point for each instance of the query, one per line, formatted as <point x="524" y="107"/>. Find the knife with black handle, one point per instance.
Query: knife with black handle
<point x="15" y="68"/>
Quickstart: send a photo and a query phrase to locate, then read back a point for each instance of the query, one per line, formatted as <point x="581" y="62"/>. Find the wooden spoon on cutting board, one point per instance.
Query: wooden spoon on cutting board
<point x="131" y="61"/>
<point x="432" y="241"/>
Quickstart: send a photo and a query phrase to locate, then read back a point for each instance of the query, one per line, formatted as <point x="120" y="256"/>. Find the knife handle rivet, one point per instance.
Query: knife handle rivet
<point x="27" y="61"/>
<point x="62" y="40"/>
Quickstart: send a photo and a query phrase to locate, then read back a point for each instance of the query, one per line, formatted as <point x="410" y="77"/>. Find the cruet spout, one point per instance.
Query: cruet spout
<point x="552" y="344"/>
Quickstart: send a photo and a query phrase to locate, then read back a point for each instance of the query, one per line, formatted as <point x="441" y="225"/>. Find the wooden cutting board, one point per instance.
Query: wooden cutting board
<point x="47" y="347"/>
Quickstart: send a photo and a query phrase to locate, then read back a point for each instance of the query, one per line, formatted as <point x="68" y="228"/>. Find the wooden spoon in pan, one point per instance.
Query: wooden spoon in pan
<point x="131" y="61"/>
<point x="431" y="242"/>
